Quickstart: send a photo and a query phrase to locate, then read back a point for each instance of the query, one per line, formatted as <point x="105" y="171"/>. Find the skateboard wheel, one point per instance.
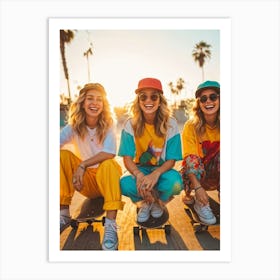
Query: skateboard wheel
<point x="167" y="229"/>
<point x="135" y="230"/>
<point x="74" y="224"/>
<point x="197" y="228"/>
<point x="204" y="227"/>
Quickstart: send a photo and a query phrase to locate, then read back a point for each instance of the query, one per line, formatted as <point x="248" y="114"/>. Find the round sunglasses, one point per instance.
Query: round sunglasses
<point x="144" y="97"/>
<point x="212" y="97"/>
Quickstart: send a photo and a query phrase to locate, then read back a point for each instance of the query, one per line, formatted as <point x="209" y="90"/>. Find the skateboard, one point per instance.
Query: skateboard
<point x="154" y="223"/>
<point x="199" y="226"/>
<point x="91" y="212"/>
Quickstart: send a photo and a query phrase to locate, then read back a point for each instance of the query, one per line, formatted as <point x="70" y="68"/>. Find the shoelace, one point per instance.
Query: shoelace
<point x="156" y="205"/>
<point x="206" y="210"/>
<point x="147" y="207"/>
<point x="110" y="230"/>
<point x="64" y="219"/>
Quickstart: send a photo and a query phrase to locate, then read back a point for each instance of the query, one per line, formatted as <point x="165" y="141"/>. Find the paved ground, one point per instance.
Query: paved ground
<point x="182" y="236"/>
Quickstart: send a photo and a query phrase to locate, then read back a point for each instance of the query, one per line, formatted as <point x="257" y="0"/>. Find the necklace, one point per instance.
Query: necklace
<point x="91" y="132"/>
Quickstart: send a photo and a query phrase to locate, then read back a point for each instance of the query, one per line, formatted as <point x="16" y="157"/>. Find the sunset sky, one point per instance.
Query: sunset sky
<point x="122" y="57"/>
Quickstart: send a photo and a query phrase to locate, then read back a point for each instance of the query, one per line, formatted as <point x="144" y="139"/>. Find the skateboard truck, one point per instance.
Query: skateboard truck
<point x="154" y="223"/>
<point x="91" y="210"/>
<point x="90" y="220"/>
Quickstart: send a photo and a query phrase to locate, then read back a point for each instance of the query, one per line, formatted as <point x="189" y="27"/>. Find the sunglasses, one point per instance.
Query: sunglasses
<point x="212" y="97"/>
<point x="144" y="97"/>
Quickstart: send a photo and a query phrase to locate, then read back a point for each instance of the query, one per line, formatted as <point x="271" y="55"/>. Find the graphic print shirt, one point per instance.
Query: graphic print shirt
<point x="149" y="149"/>
<point x="206" y="147"/>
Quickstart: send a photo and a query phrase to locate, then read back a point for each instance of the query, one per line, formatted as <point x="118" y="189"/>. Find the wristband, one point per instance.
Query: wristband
<point x="197" y="188"/>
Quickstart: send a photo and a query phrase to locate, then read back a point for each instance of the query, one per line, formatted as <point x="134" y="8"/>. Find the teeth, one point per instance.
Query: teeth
<point x="93" y="108"/>
<point x="209" y="107"/>
<point x="149" y="106"/>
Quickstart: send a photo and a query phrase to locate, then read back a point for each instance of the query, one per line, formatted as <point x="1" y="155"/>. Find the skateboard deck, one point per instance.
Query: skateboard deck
<point x="197" y="224"/>
<point x="91" y="212"/>
<point x="154" y="223"/>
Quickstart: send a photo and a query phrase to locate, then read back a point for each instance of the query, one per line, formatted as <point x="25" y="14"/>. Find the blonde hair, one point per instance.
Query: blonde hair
<point x="77" y="114"/>
<point x="160" y="122"/>
<point x="199" y="120"/>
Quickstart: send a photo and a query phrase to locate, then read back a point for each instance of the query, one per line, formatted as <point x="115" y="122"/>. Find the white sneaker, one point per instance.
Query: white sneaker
<point x="204" y="213"/>
<point x="64" y="222"/>
<point x="144" y="212"/>
<point x="156" y="210"/>
<point x="110" y="238"/>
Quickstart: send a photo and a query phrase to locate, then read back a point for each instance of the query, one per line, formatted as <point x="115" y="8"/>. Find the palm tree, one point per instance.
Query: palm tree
<point x="66" y="36"/>
<point x="174" y="92"/>
<point x="86" y="54"/>
<point x="180" y="85"/>
<point x="200" y="52"/>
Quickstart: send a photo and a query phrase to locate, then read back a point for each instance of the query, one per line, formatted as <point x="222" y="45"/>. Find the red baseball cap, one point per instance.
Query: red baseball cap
<point x="149" y="83"/>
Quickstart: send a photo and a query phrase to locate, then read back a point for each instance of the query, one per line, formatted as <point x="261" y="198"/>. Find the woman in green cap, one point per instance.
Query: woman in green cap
<point x="201" y="150"/>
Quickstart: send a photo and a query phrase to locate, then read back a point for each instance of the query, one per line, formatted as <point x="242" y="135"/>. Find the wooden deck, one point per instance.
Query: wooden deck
<point x="182" y="236"/>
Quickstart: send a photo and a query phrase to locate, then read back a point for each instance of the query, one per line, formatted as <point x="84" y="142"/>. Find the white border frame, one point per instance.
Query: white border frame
<point x="221" y="24"/>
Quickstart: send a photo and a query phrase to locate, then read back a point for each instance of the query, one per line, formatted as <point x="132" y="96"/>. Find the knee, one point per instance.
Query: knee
<point x="110" y="165"/>
<point x="126" y="183"/>
<point x="65" y="155"/>
<point x="172" y="176"/>
<point x="174" y="182"/>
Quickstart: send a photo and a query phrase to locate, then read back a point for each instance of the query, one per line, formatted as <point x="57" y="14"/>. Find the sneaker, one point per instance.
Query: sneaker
<point x="110" y="238"/>
<point x="64" y="222"/>
<point x="204" y="213"/>
<point x="144" y="212"/>
<point x="156" y="210"/>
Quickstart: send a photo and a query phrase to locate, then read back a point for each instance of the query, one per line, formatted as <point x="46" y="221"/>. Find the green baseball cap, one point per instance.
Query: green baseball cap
<point x="207" y="84"/>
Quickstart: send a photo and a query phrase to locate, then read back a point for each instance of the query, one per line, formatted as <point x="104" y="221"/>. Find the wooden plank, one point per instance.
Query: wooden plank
<point x="182" y="236"/>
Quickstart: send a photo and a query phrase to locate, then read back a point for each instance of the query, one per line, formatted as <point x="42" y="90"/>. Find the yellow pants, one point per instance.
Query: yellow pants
<point x="101" y="181"/>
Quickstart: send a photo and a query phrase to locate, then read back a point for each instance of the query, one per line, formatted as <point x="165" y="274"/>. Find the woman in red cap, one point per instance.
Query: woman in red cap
<point x="90" y="169"/>
<point x="150" y="145"/>
<point x="201" y="150"/>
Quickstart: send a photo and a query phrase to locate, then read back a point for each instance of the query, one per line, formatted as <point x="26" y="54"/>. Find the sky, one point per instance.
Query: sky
<point x="122" y="57"/>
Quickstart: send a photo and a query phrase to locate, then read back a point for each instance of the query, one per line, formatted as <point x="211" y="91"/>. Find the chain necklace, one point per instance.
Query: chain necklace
<point x="91" y="132"/>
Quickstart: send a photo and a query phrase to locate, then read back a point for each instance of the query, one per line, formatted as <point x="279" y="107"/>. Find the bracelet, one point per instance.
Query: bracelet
<point x="81" y="166"/>
<point x="197" y="188"/>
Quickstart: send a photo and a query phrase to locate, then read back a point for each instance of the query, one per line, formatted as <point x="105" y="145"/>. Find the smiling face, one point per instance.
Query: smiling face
<point x="149" y="101"/>
<point x="209" y="102"/>
<point x="93" y="104"/>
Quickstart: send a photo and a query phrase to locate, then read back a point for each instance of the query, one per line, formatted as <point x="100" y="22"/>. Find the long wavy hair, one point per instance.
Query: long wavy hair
<point x="161" y="119"/>
<point x="77" y="114"/>
<point x="199" y="119"/>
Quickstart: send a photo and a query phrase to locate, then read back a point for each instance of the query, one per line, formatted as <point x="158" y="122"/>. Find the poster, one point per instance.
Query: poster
<point x="117" y="53"/>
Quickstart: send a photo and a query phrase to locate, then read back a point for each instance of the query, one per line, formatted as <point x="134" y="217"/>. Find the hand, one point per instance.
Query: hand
<point x="139" y="183"/>
<point x="77" y="179"/>
<point x="147" y="183"/>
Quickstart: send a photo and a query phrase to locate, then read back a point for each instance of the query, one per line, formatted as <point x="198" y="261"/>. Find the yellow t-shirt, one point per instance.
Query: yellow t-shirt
<point x="149" y="147"/>
<point x="193" y="145"/>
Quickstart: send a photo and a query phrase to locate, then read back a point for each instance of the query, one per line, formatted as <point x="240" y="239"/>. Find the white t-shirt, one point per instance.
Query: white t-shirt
<point x="89" y="146"/>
